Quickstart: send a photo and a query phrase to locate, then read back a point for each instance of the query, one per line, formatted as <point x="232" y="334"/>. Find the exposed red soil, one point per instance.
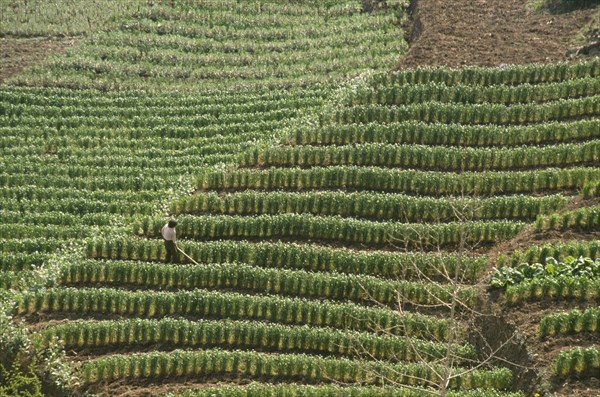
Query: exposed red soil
<point x="490" y="33"/>
<point x="17" y="53"/>
<point x="580" y="388"/>
<point x="526" y="317"/>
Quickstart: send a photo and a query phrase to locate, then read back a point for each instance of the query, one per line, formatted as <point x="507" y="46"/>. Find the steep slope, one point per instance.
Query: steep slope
<point x="329" y="256"/>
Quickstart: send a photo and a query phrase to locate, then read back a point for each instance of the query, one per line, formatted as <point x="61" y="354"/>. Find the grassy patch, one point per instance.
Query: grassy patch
<point x="585" y="32"/>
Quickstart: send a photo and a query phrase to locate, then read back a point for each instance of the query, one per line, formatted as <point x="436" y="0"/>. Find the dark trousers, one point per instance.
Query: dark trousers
<point x="172" y="256"/>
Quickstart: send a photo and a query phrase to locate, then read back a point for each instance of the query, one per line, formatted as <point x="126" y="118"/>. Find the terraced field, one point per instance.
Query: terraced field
<point x="343" y="224"/>
<point x="229" y="44"/>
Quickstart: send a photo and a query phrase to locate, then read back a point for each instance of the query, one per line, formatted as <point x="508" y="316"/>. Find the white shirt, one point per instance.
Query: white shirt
<point x="168" y="233"/>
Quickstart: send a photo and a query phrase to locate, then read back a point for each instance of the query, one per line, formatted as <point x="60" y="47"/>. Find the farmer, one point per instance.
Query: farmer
<point x="168" y="233"/>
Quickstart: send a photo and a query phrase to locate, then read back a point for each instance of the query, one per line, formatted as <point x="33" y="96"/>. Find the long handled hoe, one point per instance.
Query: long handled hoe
<point x="187" y="256"/>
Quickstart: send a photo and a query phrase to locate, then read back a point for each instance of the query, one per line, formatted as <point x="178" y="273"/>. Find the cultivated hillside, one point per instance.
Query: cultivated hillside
<point x="348" y="231"/>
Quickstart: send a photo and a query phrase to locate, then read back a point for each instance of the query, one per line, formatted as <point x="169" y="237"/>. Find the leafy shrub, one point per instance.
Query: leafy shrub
<point x="16" y="382"/>
<point x="581" y="267"/>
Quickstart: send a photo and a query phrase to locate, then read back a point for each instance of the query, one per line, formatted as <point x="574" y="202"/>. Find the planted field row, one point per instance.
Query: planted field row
<point x="19" y="261"/>
<point x="586" y="219"/>
<point x="253" y="12"/>
<point x="236" y="24"/>
<point x="67" y="73"/>
<point x="51" y="148"/>
<point x="110" y="121"/>
<point x="88" y="208"/>
<point x="133" y="180"/>
<point x="259" y="100"/>
<point x="559" y="251"/>
<point x="311" y="369"/>
<point x="435" y="112"/>
<point x="242" y="47"/>
<point x="308" y="58"/>
<point x="331" y="390"/>
<point x="564" y="287"/>
<point x="268" y="110"/>
<point x="421" y="133"/>
<point x="95" y="143"/>
<point x="503" y="94"/>
<point x="67" y="148"/>
<point x="249" y="14"/>
<point x="157" y="79"/>
<point x="382" y="206"/>
<point x="591" y="190"/>
<point x="56" y="208"/>
<point x="52" y="156"/>
<point x="335" y="228"/>
<point x="51" y="218"/>
<point x="84" y="133"/>
<point x="390" y="180"/>
<point x="273" y="9"/>
<point x="56" y="169"/>
<point x="425" y="157"/>
<point x="27" y="244"/>
<point x="10" y="280"/>
<point x="475" y="75"/>
<point x="398" y="265"/>
<point x="571" y="322"/>
<point x="225" y="44"/>
<point x="40" y="194"/>
<point x="238" y="276"/>
<point x="233" y="306"/>
<point x="132" y="46"/>
<point x="123" y="103"/>
<point x="317" y="29"/>
<point x="105" y="157"/>
<point x="210" y="78"/>
<point x="24" y="231"/>
<point x="248" y="335"/>
<point x="88" y="174"/>
<point x="95" y="153"/>
<point x="578" y="362"/>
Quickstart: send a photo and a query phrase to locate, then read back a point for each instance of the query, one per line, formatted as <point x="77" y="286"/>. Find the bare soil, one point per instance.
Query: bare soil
<point x="525" y="318"/>
<point x="17" y="53"/>
<point x="490" y="32"/>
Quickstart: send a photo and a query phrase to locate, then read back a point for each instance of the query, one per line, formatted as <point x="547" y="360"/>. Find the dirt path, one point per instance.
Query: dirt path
<point x="490" y="33"/>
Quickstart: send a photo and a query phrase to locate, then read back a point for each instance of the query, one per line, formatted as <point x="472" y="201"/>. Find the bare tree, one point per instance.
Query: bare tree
<point x="463" y="316"/>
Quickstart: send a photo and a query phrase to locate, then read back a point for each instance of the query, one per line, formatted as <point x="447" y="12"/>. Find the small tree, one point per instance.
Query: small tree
<point x="460" y="314"/>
